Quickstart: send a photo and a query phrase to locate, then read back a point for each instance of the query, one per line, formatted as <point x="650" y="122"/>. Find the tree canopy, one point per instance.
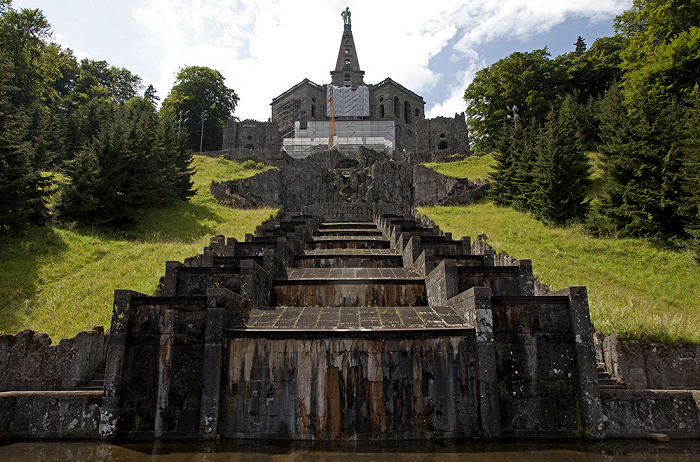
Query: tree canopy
<point x="198" y="89"/>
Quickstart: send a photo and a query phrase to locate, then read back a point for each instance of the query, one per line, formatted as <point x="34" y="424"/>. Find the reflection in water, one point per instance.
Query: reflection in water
<point x="620" y="450"/>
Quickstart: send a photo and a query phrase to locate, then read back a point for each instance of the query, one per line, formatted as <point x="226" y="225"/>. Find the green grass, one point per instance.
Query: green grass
<point x="61" y="280"/>
<point x="472" y="167"/>
<point x="634" y="289"/>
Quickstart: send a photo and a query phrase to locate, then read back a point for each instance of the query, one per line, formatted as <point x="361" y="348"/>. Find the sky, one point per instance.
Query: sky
<point x="264" y="47"/>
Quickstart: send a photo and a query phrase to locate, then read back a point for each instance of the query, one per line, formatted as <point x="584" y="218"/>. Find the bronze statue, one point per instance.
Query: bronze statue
<point x="346" y="15"/>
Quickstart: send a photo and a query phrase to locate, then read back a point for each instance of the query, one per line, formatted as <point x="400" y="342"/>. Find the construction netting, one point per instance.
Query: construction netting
<point x="348" y="102"/>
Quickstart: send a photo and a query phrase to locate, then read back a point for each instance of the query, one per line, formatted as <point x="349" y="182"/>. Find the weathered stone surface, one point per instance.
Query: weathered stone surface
<point x="635" y="413"/>
<point x="350" y="388"/>
<point x="50" y="414"/>
<point x="29" y="362"/>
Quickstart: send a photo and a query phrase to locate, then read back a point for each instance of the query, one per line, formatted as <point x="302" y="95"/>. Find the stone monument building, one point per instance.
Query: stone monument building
<point x="385" y="116"/>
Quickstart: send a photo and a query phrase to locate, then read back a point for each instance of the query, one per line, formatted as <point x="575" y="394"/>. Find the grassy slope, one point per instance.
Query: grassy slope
<point x="635" y="289"/>
<point x="61" y="280"/>
<point x="475" y="167"/>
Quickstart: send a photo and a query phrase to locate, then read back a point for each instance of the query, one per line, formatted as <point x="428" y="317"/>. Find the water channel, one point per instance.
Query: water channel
<point x="228" y="451"/>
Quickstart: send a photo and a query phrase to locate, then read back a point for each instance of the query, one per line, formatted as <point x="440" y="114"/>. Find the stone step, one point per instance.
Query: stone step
<point x="348" y="232"/>
<point x="96" y="382"/>
<point x="349" y="287"/>
<point x="359" y="225"/>
<point x="349" y="258"/>
<point x="348" y="242"/>
<point x="360" y="318"/>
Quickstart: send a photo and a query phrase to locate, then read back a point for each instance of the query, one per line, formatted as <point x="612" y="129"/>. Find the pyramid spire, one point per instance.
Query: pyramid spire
<point x="347" y="68"/>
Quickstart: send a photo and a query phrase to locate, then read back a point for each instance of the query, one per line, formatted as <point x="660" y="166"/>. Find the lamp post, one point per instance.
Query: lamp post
<point x="515" y="116"/>
<point x="179" y="123"/>
<point x="201" y="138"/>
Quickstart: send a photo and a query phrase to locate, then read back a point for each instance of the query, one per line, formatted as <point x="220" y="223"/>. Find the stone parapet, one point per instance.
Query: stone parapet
<point x="29" y="362"/>
<point x="654" y="366"/>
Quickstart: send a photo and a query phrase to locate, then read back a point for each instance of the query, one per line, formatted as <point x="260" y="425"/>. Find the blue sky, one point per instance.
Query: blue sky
<point x="263" y="47"/>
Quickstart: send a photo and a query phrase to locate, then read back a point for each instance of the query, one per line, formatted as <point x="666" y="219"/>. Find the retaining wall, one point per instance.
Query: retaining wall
<point x="29" y="362"/>
<point x="652" y="366"/>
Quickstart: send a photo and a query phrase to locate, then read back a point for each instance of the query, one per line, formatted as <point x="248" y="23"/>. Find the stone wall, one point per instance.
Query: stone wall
<point x="654" y="366"/>
<point x="637" y="413"/>
<point x="365" y="184"/>
<point x="50" y="415"/>
<point x="443" y="135"/>
<point x="29" y="362"/>
<point x="359" y="386"/>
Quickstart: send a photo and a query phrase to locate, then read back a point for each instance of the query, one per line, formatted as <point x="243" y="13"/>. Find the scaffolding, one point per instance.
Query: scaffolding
<point x="286" y="115"/>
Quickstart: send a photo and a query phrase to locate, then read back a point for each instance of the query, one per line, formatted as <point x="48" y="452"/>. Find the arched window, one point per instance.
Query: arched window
<point x="347" y="63"/>
<point x="347" y="80"/>
<point x="406" y="112"/>
<point x="313" y="112"/>
<point x="442" y="146"/>
<point x="347" y="51"/>
<point x="381" y="111"/>
<point x="417" y="112"/>
<point x="397" y="107"/>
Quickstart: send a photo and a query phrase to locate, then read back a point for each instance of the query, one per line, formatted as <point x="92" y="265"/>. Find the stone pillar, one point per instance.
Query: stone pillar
<point x="442" y="283"/>
<point x="478" y="307"/>
<point x="121" y="314"/>
<point x="526" y="280"/>
<point x="230" y="250"/>
<point x="466" y="245"/>
<point x="169" y="280"/>
<point x="411" y="252"/>
<point x="213" y="362"/>
<point x="585" y="363"/>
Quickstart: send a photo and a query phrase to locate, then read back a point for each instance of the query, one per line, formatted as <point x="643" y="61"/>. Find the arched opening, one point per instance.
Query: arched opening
<point x="347" y="81"/>
<point x="347" y="51"/>
<point x="406" y="112"/>
<point x="250" y="146"/>
<point x="381" y="111"/>
<point x="442" y="135"/>
<point x="417" y="112"/>
<point x="347" y="63"/>
<point x="313" y="112"/>
<point x="397" y="107"/>
<point x="442" y="146"/>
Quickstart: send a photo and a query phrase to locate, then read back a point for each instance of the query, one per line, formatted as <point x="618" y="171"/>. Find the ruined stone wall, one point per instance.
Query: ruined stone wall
<point x="653" y="366"/>
<point x="29" y="362"/>
<point x="444" y="135"/>
<point x="347" y="388"/>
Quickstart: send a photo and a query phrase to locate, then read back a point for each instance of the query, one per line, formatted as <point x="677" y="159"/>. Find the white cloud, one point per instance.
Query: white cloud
<point x="263" y="47"/>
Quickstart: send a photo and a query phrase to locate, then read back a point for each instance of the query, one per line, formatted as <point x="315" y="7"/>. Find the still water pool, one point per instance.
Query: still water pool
<point x="623" y="450"/>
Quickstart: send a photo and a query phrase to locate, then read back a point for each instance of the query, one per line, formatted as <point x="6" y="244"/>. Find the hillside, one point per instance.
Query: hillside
<point x="635" y="289"/>
<point x="61" y="279"/>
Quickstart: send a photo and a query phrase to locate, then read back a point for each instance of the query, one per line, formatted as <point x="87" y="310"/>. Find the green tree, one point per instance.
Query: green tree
<point x="562" y="171"/>
<point x="33" y="61"/>
<point x="643" y="158"/>
<point x="198" y="89"/>
<point x="664" y="46"/>
<point x="23" y="189"/>
<point x="528" y="80"/>
<point x="130" y="162"/>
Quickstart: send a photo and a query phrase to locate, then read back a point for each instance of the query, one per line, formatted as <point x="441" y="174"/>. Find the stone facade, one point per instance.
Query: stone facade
<point x="249" y="137"/>
<point x="366" y="182"/>
<point x="443" y="135"/>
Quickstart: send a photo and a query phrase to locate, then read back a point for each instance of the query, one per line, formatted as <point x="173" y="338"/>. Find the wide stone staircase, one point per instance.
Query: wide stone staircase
<point x="319" y="329"/>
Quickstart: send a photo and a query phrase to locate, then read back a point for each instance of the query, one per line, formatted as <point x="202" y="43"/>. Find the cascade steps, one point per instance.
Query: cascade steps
<point x="96" y="382"/>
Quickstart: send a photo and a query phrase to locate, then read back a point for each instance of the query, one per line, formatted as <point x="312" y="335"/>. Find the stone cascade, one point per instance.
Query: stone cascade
<point x="313" y="329"/>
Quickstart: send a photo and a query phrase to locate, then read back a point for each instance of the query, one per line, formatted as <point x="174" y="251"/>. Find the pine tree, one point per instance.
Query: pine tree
<point x="24" y="190"/>
<point x="562" y="171"/>
<point x="643" y="158"/>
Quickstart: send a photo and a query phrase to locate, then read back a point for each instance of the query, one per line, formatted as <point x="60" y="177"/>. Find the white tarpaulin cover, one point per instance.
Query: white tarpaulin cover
<point x="348" y="102"/>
